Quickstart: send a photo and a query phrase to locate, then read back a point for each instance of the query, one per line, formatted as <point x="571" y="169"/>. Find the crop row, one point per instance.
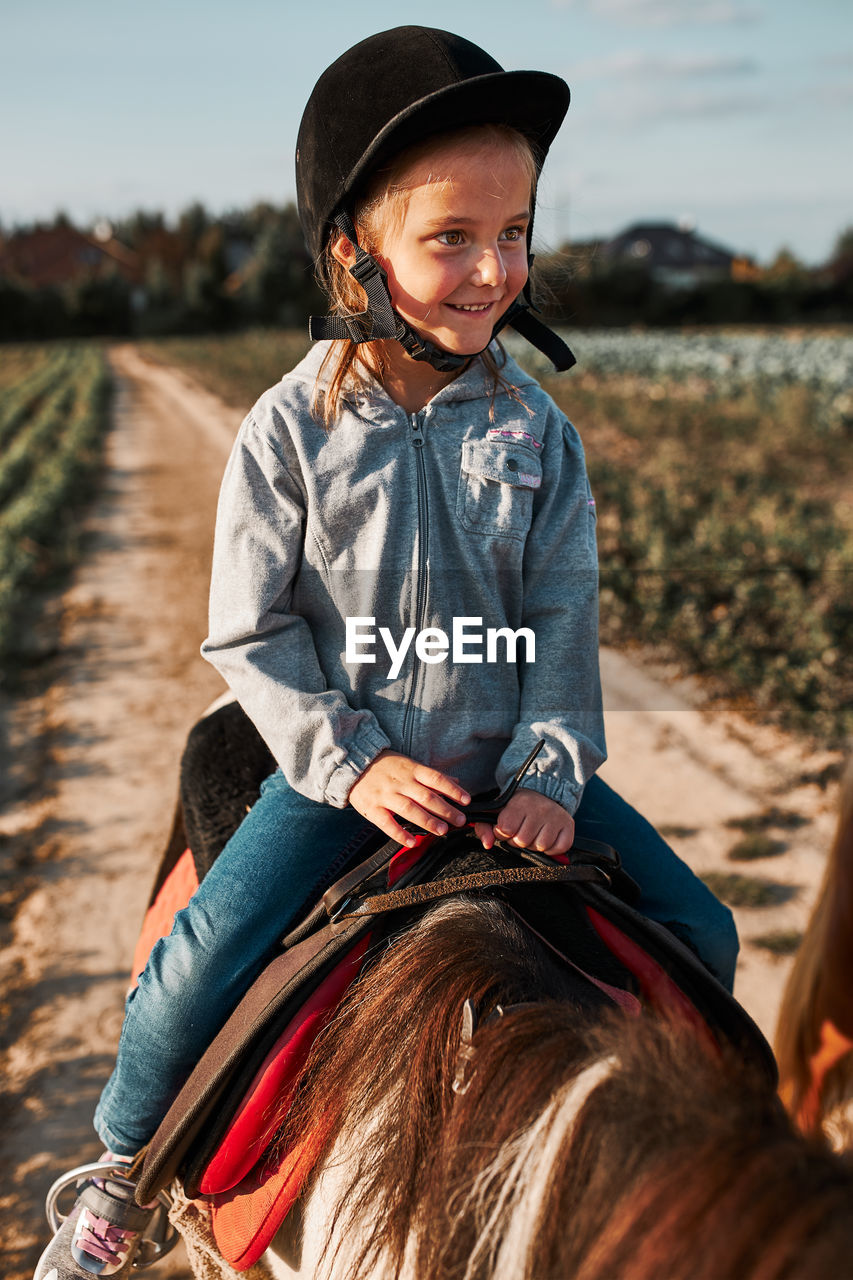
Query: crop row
<point x="821" y="360"/>
<point x="21" y="397"/>
<point x="757" y="594"/>
<point x="726" y="540"/>
<point x="728" y="363"/>
<point x="39" y="529"/>
<point x="20" y="361"/>
<point x="35" y="438"/>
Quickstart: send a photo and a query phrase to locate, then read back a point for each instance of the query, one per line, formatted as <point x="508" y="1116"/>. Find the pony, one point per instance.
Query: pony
<point x="814" y="1033"/>
<point x="479" y="1109"/>
<point x="484" y="1114"/>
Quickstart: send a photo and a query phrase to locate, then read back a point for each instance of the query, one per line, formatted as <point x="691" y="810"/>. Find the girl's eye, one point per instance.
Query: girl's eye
<point x="513" y="233"/>
<point x="453" y="238"/>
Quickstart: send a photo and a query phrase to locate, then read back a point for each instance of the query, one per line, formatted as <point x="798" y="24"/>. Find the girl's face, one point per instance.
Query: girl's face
<point x="457" y="257"/>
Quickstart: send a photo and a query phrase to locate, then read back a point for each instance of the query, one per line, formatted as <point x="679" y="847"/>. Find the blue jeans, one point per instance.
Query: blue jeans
<point x="277" y="863"/>
<point x="282" y="856"/>
<point x="669" y="891"/>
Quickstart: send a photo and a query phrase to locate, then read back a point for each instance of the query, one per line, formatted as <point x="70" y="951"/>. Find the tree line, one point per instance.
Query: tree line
<point x="206" y="273"/>
<point x="148" y="277"/>
<point x="582" y="286"/>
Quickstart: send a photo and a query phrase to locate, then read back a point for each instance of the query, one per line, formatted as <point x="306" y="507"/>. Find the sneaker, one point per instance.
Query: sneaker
<point x="102" y="1233"/>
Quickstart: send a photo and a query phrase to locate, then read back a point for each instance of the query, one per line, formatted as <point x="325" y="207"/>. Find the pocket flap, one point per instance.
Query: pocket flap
<point x="502" y="462"/>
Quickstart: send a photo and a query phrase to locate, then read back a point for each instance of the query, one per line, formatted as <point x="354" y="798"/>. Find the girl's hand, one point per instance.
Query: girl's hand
<point x="394" y="786"/>
<point x="530" y="820"/>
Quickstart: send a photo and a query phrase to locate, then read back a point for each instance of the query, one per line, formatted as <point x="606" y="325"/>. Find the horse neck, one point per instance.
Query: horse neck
<point x="814" y="1033"/>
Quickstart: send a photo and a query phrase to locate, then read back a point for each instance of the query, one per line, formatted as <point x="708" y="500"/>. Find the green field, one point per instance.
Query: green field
<point x="726" y="539"/>
<point x="53" y="417"/>
<point x="721" y="469"/>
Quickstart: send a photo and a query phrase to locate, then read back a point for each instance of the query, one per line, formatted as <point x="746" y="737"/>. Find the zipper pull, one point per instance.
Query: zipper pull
<point x="418" y="439"/>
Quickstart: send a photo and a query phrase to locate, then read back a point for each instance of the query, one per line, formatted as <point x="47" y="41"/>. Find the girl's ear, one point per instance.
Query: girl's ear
<point x="343" y="250"/>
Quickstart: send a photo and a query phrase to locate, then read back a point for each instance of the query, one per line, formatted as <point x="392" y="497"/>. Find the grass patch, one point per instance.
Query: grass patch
<point x="747" y="891"/>
<point x="754" y="846"/>
<point x="779" y="942"/>
<point x="726" y="540"/>
<point x="672" y="831"/>
<point x="783" y="819"/>
<point x="237" y="367"/>
<point x="821" y="778"/>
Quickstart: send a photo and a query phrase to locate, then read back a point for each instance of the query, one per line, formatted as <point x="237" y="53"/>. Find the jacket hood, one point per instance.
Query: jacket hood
<point x="471" y="384"/>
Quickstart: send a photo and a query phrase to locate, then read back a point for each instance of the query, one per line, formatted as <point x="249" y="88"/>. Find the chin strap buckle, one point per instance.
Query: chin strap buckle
<point x="422" y="349"/>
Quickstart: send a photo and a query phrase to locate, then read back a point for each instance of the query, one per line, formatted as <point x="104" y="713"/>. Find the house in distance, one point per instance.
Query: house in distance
<point x="675" y="256"/>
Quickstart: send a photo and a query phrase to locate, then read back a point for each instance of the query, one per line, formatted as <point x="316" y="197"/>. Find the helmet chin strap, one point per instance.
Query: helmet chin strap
<point x="379" y="321"/>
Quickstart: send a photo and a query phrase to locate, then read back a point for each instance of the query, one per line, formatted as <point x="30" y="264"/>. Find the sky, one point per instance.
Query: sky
<point x="733" y="115"/>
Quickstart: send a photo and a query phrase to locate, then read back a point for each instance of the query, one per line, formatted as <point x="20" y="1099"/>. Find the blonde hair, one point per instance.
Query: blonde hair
<point x="348" y="366"/>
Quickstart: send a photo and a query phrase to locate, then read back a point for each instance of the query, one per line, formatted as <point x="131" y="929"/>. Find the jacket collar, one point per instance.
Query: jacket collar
<point x="473" y="383"/>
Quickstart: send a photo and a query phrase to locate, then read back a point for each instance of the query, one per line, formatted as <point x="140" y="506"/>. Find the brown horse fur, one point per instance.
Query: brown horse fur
<point x="587" y="1145"/>
<point x="814" y="1036"/>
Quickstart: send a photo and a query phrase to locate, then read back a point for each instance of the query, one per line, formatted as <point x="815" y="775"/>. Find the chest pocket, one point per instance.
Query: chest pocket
<point x="496" y="487"/>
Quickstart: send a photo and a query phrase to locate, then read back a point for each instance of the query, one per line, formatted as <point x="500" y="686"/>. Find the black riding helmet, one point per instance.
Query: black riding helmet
<point x="381" y="96"/>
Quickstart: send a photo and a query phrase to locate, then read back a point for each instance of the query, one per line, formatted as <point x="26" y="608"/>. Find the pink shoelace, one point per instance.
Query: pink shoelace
<point x="101" y="1239"/>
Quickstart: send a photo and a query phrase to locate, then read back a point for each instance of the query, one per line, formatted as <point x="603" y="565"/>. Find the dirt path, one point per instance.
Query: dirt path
<point x="127" y="684"/>
<point x="89" y="768"/>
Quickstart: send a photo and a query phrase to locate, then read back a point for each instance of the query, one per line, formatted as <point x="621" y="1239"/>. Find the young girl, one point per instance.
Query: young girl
<point x="404" y="593"/>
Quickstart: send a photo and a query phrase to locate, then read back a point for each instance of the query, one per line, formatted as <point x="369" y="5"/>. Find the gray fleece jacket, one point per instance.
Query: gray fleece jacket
<point x="424" y="582"/>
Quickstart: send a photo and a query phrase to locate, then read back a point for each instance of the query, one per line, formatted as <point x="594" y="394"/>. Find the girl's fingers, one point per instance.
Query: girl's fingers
<point x="388" y="824"/>
<point x="563" y="841"/>
<point x="529" y="835"/>
<point x="436" y="804"/>
<point x="517" y="830"/>
<point x="485" y="834"/>
<point x="541" y="837"/>
<point x="531" y="821"/>
<point x="394" y="784"/>
<point x="442" y="783"/>
<point x="420" y="817"/>
<point x="544" y="838"/>
<point x="505" y="827"/>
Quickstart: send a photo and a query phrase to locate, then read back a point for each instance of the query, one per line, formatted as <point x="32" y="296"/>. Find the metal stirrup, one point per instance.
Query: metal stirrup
<point x="151" y="1248"/>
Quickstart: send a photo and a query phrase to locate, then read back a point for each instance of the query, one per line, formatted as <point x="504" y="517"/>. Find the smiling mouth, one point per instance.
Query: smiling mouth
<point x="475" y="307"/>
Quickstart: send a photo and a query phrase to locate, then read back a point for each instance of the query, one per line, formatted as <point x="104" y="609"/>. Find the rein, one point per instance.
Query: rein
<point x="417" y="894"/>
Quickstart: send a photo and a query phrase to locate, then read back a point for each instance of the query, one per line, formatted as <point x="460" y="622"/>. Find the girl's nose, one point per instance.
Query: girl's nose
<point x="490" y="267"/>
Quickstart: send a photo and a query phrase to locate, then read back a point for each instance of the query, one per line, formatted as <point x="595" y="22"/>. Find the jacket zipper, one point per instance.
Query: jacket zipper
<point x="418" y="441"/>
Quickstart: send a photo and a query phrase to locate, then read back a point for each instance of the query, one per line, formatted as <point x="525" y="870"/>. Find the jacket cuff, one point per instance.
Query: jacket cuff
<point x="554" y="788"/>
<point x="362" y="751"/>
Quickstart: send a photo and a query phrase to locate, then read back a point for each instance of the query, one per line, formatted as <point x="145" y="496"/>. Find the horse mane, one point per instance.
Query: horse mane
<point x="814" y="1034"/>
<point x="584" y="1143"/>
<point x="384" y="1068"/>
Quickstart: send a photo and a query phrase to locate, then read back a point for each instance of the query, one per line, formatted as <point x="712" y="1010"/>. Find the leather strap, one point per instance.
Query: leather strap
<point x="481" y="809"/>
<point x="118" y="1211"/>
<point x="379" y="320"/>
<point x="544" y="339"/>
<point x="418" y="894"/>
<point x="345" y="887"/>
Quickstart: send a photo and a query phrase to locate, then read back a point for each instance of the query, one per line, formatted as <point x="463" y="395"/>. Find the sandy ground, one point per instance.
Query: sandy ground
<point x="88" y="775"/>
